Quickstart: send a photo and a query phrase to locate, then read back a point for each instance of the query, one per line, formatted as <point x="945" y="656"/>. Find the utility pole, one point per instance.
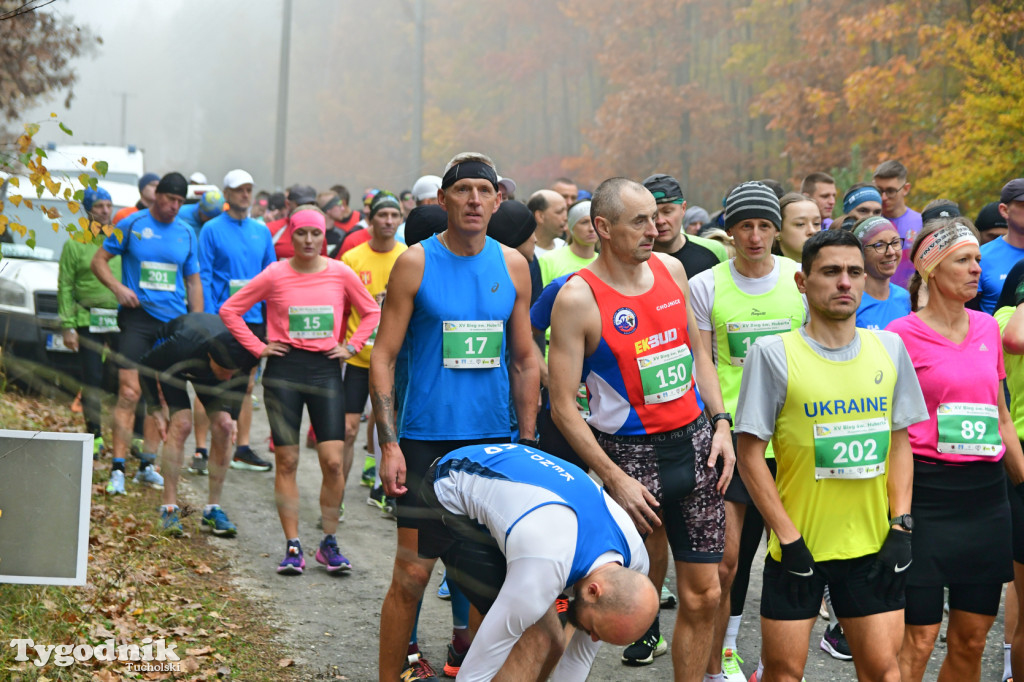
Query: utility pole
<point x="280" y="134"/>
<point x="124" y="117"/>
<point x="417" y="96"/>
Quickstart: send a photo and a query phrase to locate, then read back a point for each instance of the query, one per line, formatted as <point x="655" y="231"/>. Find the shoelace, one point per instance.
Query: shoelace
<point x="423" y="668"/>
<point x="561" y="605"/>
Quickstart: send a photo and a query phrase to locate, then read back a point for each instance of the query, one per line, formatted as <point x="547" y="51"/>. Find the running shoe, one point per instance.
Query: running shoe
<point x="389" y="508"/>
<point x="418" y="670"/>
<point x="199" y="462"/>
<point x="149" y="477"/>
<point x="562" y="609"/>
<point x="443" y="592"/>
<point x="376" y="497"/>
<point x="293" y="563"/>
<point x="97" y="447"/>
<point x="310" y="438"/>
<point x="171" y="522"/>
<point x="218" y="523"/>
<point x="454" y="661"/>
<point x="369" y="472"/>
<point x="115" y="486"/>
<point x="643" y="651"/>
<point x="668" y="600"/>
<point x="246" y="459"/>
<point x="834" y="643"/>
<point x="270" y="443"/>
<point x="329" y="556"/>
<point x="731" y="666"/>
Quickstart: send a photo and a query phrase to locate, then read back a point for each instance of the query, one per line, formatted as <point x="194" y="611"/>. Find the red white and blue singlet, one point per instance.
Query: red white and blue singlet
<point x="640" y="378"/>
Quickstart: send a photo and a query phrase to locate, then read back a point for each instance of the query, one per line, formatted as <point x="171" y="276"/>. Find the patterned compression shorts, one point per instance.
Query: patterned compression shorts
<point x="673" y="467"/>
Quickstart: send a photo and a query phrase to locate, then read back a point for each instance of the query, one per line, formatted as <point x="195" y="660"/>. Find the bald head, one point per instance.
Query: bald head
<point x="615" y="604"/>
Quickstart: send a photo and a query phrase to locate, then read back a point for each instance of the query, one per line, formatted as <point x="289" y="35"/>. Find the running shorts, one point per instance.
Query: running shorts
<point x="298" y="378"/>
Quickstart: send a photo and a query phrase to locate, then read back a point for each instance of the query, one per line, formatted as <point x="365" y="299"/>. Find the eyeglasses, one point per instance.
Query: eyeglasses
<point x="882" y="247"/>
<point x="891" y="191"/>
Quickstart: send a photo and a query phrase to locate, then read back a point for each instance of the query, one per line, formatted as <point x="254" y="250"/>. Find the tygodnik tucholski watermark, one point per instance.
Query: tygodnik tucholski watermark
<point x="150" y="655"/>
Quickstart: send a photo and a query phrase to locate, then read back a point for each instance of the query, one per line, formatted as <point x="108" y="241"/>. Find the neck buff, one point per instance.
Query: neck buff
<point x="939" y="244"/>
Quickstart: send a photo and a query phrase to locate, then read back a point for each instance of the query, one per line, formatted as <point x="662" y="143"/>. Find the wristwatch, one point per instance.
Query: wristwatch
<point x="350" y="348"/>
<point x="904" y="521"/>
<point x="720" y="416"/>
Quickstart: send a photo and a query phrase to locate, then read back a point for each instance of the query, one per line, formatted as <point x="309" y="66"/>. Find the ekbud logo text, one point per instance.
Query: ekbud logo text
<point x="66" y="654"/>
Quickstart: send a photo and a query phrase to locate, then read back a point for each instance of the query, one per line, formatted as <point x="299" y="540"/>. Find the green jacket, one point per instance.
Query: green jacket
<point x="78" y="289"/>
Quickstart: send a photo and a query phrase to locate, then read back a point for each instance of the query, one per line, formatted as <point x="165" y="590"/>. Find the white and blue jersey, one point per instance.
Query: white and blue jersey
<point x="155" y="259"/>
<point x="232" y="252"/>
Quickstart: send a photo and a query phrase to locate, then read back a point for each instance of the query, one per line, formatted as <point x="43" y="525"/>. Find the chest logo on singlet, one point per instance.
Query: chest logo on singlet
<point x="624" y="321"/>
<point x="494" y="289"/>
<point x="878" y="377"/>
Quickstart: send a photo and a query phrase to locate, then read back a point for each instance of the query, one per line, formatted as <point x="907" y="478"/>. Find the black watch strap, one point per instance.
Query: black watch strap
<point x="904" y="521"/>
<point x="721" y="415"/>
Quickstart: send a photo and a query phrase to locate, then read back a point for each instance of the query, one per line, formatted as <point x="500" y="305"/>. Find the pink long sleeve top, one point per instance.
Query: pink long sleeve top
<point x="304" y="310"/>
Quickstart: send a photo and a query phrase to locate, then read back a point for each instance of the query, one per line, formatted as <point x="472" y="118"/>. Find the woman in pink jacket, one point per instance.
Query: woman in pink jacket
<point x="307" y="297"/>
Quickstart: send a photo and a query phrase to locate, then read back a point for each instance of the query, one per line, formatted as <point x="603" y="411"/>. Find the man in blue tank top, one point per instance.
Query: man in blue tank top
<point x="455" y="301"/>
<point x="516" y="527"/>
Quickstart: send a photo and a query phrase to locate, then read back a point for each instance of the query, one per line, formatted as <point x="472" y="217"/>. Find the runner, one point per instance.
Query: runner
<point x="821" y="189"/>
<point x="424" y="193"/>
<point x="621" y="325"/>
<point x="159" y="270"/>
<point x="198" y="348"/>
<point x="801" y="220"/>
<point x="88" y="312"/>
<point x="856" y="476"/>
<point x="306" y="298"/>
<point x="578" y="251"/>
<point x="882" y="301"/>
<point x="962" y="516"/>
<point x="516" y="527"/>
<point x="459" y="383"/>
<point x="695" y="253"/>
<point x="552" y="214"/>
<point x="999" y="255"/>
<point x="373" y="262"/>
<point x="298" y="195"/>
<point x="890" y="180"/>
<point x="734" y="304"/>
<point x="147" y="195"/>
<point x="233" y="249"/>
<point x="209" y="206"/>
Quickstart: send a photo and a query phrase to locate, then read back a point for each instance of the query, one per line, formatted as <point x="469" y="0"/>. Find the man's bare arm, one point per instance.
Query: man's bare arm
<point x="194" y="290"/>
<point x="524" y="374"/>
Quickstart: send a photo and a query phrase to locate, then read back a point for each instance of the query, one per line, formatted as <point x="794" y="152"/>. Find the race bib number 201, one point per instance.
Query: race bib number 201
<point x="158" y="276"/>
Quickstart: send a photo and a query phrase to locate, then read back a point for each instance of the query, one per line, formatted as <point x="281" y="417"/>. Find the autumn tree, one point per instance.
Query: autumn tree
<point x="36" y="51"/>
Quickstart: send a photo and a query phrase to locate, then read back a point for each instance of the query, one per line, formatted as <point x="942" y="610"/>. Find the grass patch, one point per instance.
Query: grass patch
<point x="140" y="584"/>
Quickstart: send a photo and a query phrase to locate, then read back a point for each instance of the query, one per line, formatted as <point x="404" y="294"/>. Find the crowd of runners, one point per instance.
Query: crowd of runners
<point x="562" y="393"/>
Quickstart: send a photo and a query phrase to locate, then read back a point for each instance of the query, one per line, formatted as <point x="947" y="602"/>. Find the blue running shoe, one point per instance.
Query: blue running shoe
<point x="294" y="563"/>
<point x="442" y="590"/>
<point x="218" y="523"/>
<point x="115" y="486"/>
<point x="171" y="522"/>
<point x="149" y="477"/>
<point x="329" y="556"/>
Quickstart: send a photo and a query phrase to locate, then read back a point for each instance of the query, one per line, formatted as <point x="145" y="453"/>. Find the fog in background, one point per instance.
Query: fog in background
<point x="201" y="80"/>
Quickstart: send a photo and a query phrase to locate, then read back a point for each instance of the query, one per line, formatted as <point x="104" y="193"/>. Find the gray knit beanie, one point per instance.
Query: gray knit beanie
<point x="752" y="200"/>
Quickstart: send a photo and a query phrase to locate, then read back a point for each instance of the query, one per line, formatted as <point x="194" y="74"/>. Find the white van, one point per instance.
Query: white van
<point x="124" y="164"/>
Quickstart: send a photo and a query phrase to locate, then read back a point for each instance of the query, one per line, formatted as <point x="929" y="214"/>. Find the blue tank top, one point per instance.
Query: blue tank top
<point x="461" y="303"/>
<point x="597" y="530"/>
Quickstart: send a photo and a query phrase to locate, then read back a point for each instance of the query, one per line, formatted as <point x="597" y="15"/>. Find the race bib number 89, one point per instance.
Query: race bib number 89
<point x="969" y="429"/>
<point x="856" y="449"/>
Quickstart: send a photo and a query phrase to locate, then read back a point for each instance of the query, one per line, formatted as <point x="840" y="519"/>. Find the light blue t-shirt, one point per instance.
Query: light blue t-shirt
<point x="189" y="214"/>
<point x="875" y="314"/>
<point x="155" y="259"/>
<point x="231" y="252"/>
<point x="997" y="257"/>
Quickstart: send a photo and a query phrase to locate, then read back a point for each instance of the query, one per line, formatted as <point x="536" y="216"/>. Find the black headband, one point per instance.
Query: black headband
<point x="334" y="201"/>
<point x="469" y="169"/>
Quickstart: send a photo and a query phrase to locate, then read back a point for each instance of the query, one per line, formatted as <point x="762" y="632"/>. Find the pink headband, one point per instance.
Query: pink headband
<point x="940" y="244"/>
<point x="306" y="218"/>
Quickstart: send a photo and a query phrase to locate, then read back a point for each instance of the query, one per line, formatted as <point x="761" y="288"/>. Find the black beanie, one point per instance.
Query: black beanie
<point x="512" y="224"/>
<point x="173" y="183"/>
<point x="940" y="211"/>
<point x="752" y="200"/>
<point x="424" y="222"/>
<point x="989" y="218"/>
<point x="227" y="352"/>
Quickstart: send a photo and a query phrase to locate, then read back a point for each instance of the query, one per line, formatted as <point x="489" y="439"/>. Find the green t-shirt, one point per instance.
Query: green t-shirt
<point x="561" y="261"/>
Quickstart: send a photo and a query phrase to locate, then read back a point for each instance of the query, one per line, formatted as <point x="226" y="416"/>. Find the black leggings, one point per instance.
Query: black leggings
<point x="750" y="540"/>
<point x="304" y="378"/>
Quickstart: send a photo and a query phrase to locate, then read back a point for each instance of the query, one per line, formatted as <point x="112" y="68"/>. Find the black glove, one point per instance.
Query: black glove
<point x="799" y="572"/>
<point x="891" y="565"/>
<point x="529" y="443"/>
